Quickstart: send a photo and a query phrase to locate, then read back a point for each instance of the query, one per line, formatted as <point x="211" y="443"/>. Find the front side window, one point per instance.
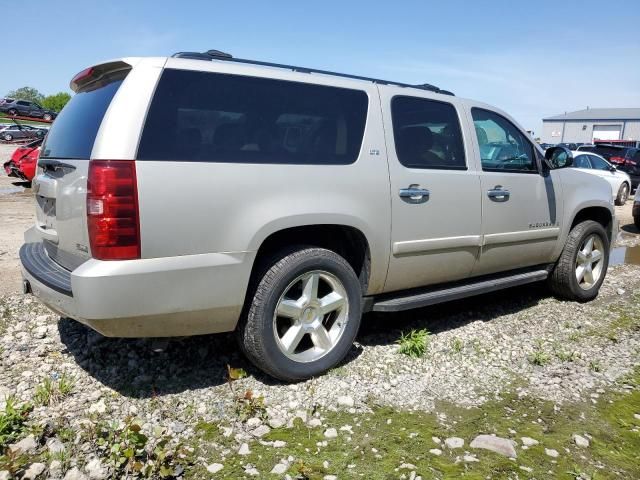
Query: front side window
<point x="23" y="103"/>
<point x="598" y="163"/>
<point x="427" y="134"/>
<point x="213" y="117"/>
<point x="502" y="146"/>
<point x="582" y="161"/>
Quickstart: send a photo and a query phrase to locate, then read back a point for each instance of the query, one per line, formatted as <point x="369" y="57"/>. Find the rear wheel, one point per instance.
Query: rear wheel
<point x="13" y="112"/>
<point x="8" y="137"/>
<point x="304" y="314"/>
<point x="47" y="117"/>
<point x="623" y="194"/>
<point x="582" y="266"/>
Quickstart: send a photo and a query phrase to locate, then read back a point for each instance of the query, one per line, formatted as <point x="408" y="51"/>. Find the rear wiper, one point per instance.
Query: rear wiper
<point x="55" y="165"/>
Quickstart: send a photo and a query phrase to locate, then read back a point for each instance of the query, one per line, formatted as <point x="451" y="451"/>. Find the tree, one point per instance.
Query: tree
<point x="56" y="101"/>
<point x="26" y="93"/>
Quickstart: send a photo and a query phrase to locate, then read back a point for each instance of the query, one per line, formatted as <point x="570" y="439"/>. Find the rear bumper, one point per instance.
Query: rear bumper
<point x="159" y="297"/>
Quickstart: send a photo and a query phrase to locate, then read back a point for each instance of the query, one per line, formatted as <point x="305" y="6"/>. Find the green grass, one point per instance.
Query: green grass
<point x="414" y="344"/>
<point x="50" y="391"/>
<point x="614" y="444"/>
<point x="457" y="345"/>
<point x="12" y="422"/>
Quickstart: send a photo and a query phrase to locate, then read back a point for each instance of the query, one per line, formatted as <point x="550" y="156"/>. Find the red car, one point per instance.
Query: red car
<point x="24" y="161"/>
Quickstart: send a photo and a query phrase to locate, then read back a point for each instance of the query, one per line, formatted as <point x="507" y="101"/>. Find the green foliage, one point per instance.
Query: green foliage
<point x="50" y="392"/>
<point x="594" y="366"/>
<point x="414" y="344"/>
<point x="456" y="345"/>
<point x="248" y="406"/>
<point x="26" y="93"/>
<point x="130" y="453"/>
<point x="56" y="101"/>
<point x="12" y="422"/>
<point x="539" y="356"/>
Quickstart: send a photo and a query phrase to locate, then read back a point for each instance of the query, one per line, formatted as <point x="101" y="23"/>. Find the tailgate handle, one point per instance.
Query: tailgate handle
<point x="55" y="165"/>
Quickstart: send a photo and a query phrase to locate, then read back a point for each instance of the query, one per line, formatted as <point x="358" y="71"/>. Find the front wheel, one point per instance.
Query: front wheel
<point x="304" y="314"/>
<point x="623" y="194"/>
<point x="13" y="112"/>
<point x="8" y="137"/>
<point x="47" y="117"/>
<point x="582" y="266"/>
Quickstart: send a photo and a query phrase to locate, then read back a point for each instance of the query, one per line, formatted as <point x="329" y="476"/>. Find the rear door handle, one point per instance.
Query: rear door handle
<point x="498" y="194"/>
<point x="414" y="194"/>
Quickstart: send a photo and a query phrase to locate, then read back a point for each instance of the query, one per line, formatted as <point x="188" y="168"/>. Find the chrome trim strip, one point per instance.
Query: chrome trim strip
<point x="522" y="236"/>
<point x="414" y="247"/>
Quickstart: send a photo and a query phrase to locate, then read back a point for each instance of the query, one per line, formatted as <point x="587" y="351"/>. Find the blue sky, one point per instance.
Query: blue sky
<point x="533" y="59"/>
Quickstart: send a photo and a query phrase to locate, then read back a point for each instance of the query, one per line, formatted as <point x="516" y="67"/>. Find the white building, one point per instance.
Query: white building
<point x="585" y="126"/>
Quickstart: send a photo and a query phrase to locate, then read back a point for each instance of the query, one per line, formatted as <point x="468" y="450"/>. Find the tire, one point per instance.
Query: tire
<point x="47" y="117"/>
<point x="8" y="137"/>
<point x="623" y="194"/>
<point x="284" y="283"/>
<point x="564" y="277"/>
<point x="13" y="112"/>
<point x="636" y="221"/>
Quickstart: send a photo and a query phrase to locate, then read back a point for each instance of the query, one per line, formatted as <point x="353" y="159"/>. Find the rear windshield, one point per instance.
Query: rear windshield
<point x="607" y="151"/>
<point x="211" y="117"/>
<point x="74" y="131"/>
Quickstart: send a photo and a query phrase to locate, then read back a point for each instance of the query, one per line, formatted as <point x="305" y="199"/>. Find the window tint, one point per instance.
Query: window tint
<point x="22" y="102"/>
<point x="211" y="117"/>
<point x="598" y="163"/>
<point x="73" y="133"/>
<point x="582" y="161"/>
<point x="502" y="145"/>
<point x="427" y="134"/>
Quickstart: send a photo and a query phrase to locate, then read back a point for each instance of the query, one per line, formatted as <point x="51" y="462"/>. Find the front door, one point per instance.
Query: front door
<point x="435" y="191"/>
<point x="521" y="206"/>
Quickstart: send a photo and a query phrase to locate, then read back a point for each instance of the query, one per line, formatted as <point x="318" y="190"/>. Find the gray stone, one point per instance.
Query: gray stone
<point x="329" y="477"/>
<point x="470" y="459"/>
<point x="529" y="442"/>
<point x="261" y="431"/>
<point x="75" y="474"/>
<point x="33" y="471"/>
<point x="244" y="449"/>
<point x="330" y="433"/>
<point x="580" y="441"/>
<point x="55" y="446"/>
<point x="96" y="470"/>
<point x="4" y="475"/>
<point x="279" y="468"/>
<point x="279" y="444"/>
<point x="314" y="422"/>
<point x="26" y="445"/>
<point x="454" y="442"/>
<point x="276" y="422"/>
<point x="39" y="332"/>
<point x="254" y="422"/>
<point x="435" y="451"/>
<point x="500" y="445"/>
<point x="214" y="467"/>
<point x="178" y="427"/>
<point x="551" y="452"/>
<point x="346" y="401"/>
<point x="55" y="469"/>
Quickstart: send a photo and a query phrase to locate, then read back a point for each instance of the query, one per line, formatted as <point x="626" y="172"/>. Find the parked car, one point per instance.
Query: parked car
<point x="636" y="209"/>
<point x="620" y="181"/>
<point x="23" y="161"/>
<point x="13" y="132"/>
<point x="624" y="158"/>
<point x="25" y="108"/>
<point x="570" y="146"/>
<point x="586" y="147"/>
<point x="544" y="146"/>
<point x="312" y="197"/>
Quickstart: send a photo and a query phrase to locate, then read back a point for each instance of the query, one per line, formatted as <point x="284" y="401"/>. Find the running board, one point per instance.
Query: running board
<point x="461" y="290"/>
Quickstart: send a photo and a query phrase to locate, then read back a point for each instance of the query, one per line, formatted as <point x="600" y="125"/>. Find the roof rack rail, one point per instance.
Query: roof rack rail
<point x="218" y="55"/>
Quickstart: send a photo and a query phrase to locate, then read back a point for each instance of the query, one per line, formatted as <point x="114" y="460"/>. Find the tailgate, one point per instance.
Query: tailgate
<point x="60" y="184"/>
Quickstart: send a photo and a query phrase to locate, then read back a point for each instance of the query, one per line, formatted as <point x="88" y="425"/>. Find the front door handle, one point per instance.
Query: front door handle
<point x="414" y="194"/>
<point x="498" y="194"/>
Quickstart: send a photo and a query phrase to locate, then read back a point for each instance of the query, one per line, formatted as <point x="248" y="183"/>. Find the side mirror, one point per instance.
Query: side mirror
<point x="558" y="157"/>
<point x="612" y="168"/>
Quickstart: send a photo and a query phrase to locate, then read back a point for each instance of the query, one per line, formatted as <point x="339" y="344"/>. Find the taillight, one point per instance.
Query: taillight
<point x="112" y="210"/>
<point x="618" y="160"/>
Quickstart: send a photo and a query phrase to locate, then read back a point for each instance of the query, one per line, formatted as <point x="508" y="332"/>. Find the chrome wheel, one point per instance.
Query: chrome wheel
<point x="624" y="194"/>
<point x="589" y="261"/>
<point x="311" y="316"/>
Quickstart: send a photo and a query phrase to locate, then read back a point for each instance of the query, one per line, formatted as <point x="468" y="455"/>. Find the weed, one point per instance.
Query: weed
<point x="414" y="344"/>
<point x="457" y="345"/>
<point x="565" y="356"/>
<point x="539" y="356"/>
<point x="248" y="406"/>
<point x="12" y="422"/>
<point x="594" y="366"/>
<point x="51" y="392"/>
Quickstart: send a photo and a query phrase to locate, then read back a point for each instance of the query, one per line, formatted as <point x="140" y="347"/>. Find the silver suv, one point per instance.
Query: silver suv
<point x="201" y="193"/>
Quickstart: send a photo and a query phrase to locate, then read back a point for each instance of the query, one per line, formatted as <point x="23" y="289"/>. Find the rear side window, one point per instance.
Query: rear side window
<point x="427" y="134"/>
<point x="211" y="117"/>
<point x="74" y="131"/>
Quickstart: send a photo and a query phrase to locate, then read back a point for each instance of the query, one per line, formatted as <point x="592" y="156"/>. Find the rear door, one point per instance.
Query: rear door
<point x="521" y="205"/>
<point x="435" y="190"/>
<point x="61" y="181"/>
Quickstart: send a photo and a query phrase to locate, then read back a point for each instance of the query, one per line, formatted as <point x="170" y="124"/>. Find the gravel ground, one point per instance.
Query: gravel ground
<point x="520" y="339"/>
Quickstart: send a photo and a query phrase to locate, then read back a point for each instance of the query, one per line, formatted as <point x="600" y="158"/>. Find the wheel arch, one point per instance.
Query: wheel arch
<point x="599" y="214"/>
